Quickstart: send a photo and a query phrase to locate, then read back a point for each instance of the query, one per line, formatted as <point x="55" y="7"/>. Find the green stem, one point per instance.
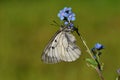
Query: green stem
<point x="88" y="50"/>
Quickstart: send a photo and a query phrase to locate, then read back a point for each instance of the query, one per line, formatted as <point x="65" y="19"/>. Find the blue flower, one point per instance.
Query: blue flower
<point x="71" y="25"/>
<point x="67" y="10"/>
<point x="62" y="15"/>
<point x="71" y="17"/>
<point x="66" y="14"/>
<point x="99" y="46"/>
<point x="66" y="23"/>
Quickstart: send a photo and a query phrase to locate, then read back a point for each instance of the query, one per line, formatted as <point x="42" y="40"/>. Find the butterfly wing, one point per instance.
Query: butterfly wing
<point x="62" y="47"/>
<point x="69" y="50"/>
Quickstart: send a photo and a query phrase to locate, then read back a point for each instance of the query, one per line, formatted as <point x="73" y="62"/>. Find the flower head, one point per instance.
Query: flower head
<point x="62" y="14"/>
<point x="99" y="46"/>
<point x="70" y="25"/>
<point x="71" y="17"/>
<point x="66" y="23"/>
<point x="66" y="14"/>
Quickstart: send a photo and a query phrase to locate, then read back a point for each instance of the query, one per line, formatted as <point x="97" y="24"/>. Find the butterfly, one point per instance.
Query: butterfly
<point x="62" y="47"/>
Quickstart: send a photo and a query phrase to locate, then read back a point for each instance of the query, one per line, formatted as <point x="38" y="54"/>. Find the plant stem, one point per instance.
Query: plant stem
<point x="88" y="50"/>
<point x="99" y="73"/>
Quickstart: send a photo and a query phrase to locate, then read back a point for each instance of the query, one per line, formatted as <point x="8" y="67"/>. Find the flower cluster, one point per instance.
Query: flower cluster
<point x="96" y="50"/>
<point x="66" y="15"/>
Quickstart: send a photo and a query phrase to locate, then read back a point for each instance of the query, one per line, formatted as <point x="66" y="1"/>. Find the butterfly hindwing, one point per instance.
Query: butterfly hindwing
<point x="72" y="49"/>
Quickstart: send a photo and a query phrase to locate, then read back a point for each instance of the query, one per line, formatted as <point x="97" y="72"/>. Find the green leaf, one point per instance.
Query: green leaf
<point x="118" y="78"/>
<point x="92" y="62"/>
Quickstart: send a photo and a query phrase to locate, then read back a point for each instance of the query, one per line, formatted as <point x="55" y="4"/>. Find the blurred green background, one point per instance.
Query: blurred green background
<point x="25" y="30"/>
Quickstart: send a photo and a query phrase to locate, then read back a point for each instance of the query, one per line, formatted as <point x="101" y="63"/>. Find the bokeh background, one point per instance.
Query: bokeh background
<point x="25" y="30"/>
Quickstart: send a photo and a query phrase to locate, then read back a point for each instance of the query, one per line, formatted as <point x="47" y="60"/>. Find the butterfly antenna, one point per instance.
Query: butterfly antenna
<point x="55" y="23"/>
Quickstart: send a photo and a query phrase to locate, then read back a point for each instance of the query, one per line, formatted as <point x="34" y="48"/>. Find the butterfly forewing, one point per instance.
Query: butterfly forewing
<point x="61" y="47"/>
<point x="48" y="56"/>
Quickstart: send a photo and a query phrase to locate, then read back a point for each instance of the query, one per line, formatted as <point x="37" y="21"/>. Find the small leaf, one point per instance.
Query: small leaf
<point x="118" y="78"/>
<point x="92" y="62"/>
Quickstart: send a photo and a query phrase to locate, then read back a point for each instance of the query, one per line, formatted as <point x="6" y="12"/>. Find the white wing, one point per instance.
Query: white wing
<point x="61" y="48"/>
